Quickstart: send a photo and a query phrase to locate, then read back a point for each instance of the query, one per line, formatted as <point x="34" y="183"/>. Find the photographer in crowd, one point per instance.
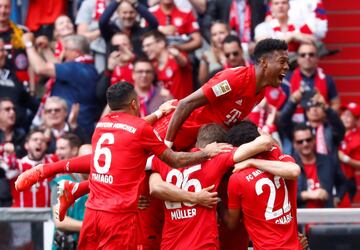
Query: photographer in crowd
<point x="310" y="78"/>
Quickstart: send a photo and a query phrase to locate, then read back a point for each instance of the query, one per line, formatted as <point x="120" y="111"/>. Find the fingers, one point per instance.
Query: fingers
<point x="209" y="188"/>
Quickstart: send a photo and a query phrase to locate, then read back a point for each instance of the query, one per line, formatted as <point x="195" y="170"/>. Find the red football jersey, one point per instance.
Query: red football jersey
<point x="178" y="80"/>
<point x="232" y="95"/>
<point x="313" y="183"/>
<point x="39" y="194"/>
<point x="121" y="145"/>
<point x="184" y="22"/>
<point x="351" y="147"/>
<point x="189" y="226"/>
<point x="268" y="203"/>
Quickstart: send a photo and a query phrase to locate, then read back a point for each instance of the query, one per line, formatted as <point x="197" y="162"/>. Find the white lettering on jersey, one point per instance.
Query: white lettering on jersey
<point x="179" y="214"/>
<point x="284" y="220"/>
<point x="104" y="178"/>
<point x="221" y="88"/>
<point x="232" y="117"/>
<point x="122" y="126"/>
<point x="255" y="173"/>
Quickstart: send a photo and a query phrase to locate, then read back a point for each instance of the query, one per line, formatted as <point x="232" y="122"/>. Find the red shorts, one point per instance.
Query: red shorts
<point x="106" y="231"/>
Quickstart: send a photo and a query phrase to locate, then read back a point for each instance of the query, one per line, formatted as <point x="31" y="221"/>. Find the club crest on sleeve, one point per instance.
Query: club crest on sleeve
<point x="221" y="88"/>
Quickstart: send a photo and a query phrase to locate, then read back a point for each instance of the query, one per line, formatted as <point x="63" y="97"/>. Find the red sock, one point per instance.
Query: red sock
<point x="79" y="164"/>
<point x="83" y="189"/>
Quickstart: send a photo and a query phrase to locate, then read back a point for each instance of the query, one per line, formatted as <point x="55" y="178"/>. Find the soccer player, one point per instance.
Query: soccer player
<point x="268" y="180"/>
<point x="190" y="226"/>
<point x="229" y="96"/>
<point x="122" y="142"/>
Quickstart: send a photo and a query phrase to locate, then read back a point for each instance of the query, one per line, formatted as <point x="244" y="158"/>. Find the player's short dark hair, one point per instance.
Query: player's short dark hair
<point x="73" y="139"/>
<point x="244" y="132"/>
<point x="267" y="46"/>
<point x="142" y="60"/>
<point x="210" y="133"/>
<point x="119" y="95"/>
<point x="231" y="39"/>
<point x="301" y="126"/>
<point x="156" y="34"/>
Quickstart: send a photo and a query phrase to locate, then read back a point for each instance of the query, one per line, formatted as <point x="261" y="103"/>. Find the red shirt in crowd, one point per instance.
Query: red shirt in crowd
<point x="190" y="226"/>
<point x="350" y="146"/>
<point x="39" y="194"/>
<point x="313" y="183"/>
<point x="184" y="22"/>
<point x="178" y="80"/>
<point x="268" y="204"/>
<point x="121" y="145"/>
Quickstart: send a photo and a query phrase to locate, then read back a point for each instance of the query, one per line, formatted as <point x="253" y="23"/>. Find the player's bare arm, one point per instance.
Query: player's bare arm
<point x="286" y="170"/>
<point x="183" y="159"/>
<point x="232" y="217"/>
<point x="182" y="112"/>
<point x="247" y="150"/>
<point x="169" y="192"/>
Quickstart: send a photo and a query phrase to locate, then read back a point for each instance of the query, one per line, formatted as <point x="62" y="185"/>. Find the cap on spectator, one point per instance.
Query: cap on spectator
<point x="353" y="107"/>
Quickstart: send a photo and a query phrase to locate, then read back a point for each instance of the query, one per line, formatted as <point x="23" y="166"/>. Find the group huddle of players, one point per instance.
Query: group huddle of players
<point x="261" y="193"/>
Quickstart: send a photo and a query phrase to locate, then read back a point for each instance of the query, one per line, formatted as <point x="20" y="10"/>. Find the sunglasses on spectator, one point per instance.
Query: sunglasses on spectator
<point x="235" y="53"/>
<point x="56" y="110"/>
<point x="143" y="72"/>
<point x="307" y="140"/>
<point x="310" y="54"/>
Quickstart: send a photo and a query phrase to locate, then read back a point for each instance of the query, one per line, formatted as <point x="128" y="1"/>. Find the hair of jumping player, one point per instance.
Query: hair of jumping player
<point x="268" y="46"/>
<point x="244" y="132"/>
<point x="210" y="133"/>
<point x="120" y="95"/>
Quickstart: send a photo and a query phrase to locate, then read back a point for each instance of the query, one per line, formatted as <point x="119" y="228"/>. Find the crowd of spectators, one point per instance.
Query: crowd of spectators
<point x="57" y="58"/>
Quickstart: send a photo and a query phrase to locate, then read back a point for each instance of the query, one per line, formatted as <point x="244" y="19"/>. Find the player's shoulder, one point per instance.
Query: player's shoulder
<point x="154" y="8"/>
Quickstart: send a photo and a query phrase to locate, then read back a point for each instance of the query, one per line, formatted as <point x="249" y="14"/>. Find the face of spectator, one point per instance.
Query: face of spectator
<point x="64" y="149"/>
<point x="143" y="74"/>
<point x="304" y="142"/>
<point x="121" y="40"/>
<point x="348" y="119"/>
<point x="280" y="8"/>
<point x="316" y="113"/>
<point x="5" y="7"/>
<point x="218" y="33"/>
<point x="70" y="53"/>
<point x="127" y="14"/>
<point x="2" y="54"/>
<point x="63" y="26"/>
<point x="152" y="48"/>
<point x="233" y="54"/>
<point x="307" y="57"/>
<point x="7" y="114"/>
<point x="36" y="146"/>
<point x="54" y="114"/>
<point x="276" y="65"/>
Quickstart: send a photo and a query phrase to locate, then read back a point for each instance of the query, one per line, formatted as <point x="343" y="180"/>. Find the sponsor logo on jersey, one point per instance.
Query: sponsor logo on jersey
<point x="221" y="88"/>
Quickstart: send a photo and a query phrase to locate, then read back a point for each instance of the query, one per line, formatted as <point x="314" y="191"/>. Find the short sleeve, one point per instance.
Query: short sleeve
<point x="223" y="162"/>
<point x="234" y="197"/>
<point x="151" y="140"/>
<point x="332" y="92"/>
<point x="192" y="24"/>
<point x="286" y="158"/>
<point x="218" y="87"/>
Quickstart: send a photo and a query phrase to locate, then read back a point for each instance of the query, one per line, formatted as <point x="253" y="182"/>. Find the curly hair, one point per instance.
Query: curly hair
<point x="244" y="132"/>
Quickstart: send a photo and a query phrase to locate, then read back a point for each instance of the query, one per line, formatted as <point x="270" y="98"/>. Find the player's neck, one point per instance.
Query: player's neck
<point x="126" y="111"/>
<point x="308" y="72"/>
<point x="261" y="81"/>
<point x="167" y="8"/>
